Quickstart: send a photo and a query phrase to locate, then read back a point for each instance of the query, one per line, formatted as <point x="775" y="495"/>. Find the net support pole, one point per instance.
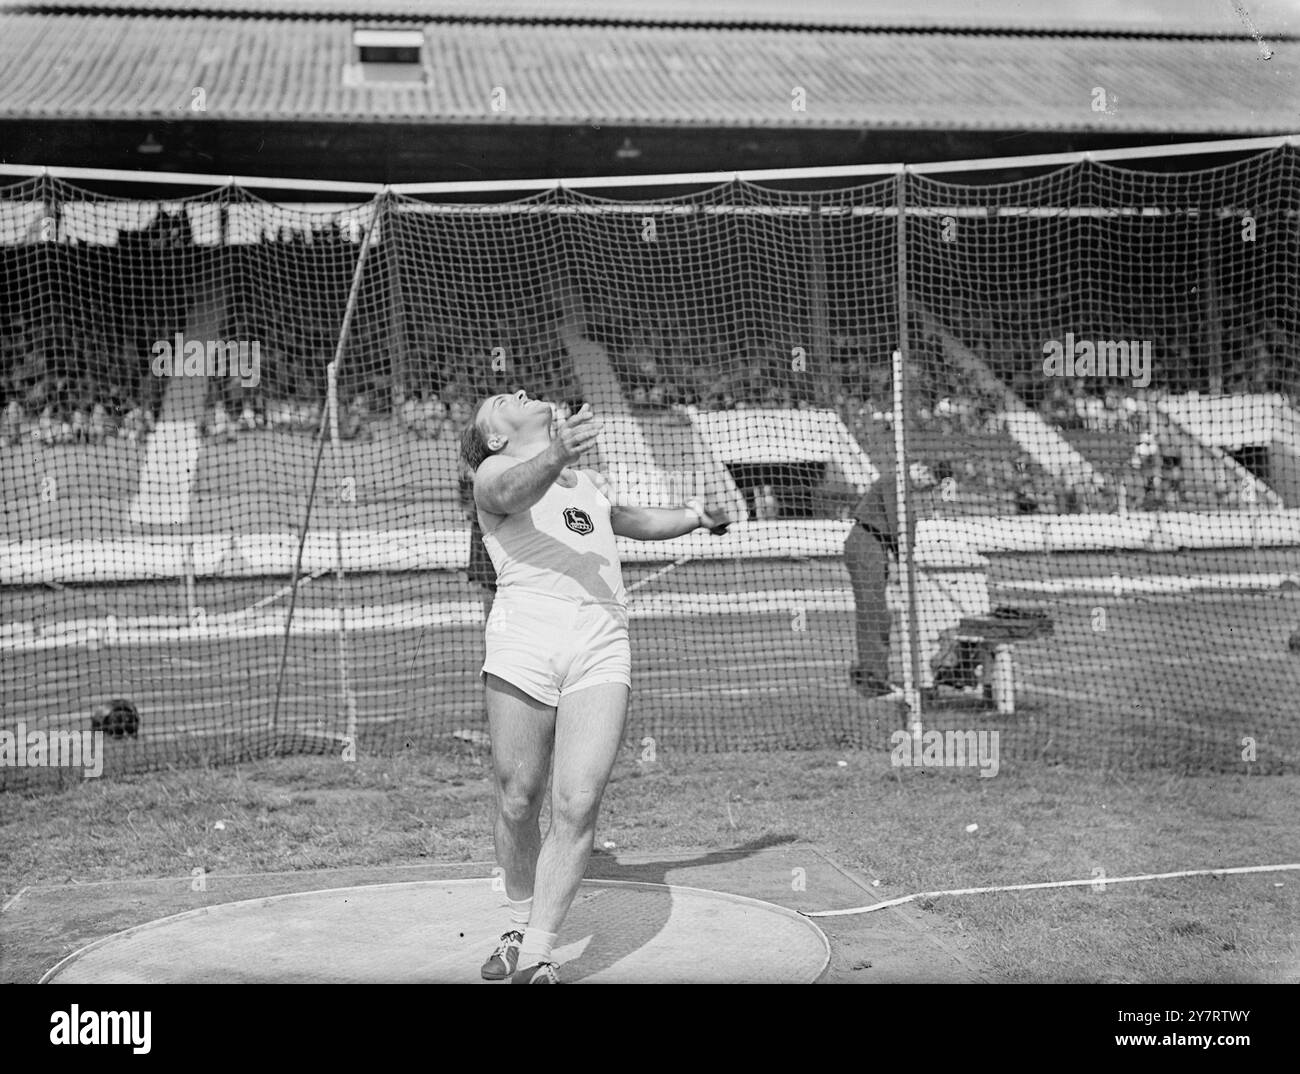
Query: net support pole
<point x="379" y="205"/>
<point x="906" y="531"/>
<point x="191" y="595"/>
<point x="396" y="302"/>
<point x="346" y="692"/>
<point x="1211" y="320"/>
<point x="906" y="572"/>
<point x="819" y="303"/>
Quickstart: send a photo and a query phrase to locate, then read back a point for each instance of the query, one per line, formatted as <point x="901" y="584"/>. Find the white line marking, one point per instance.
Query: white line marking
<point x="1081" y="586"/>
<point x="13" y="899"/>
<point x="1237" y="871"/>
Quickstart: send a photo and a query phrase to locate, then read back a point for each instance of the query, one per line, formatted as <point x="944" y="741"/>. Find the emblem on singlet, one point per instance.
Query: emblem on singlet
<point x="578" y="520"/>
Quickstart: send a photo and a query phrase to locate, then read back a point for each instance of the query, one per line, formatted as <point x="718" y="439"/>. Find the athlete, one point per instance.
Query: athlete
<point x="557" y="674"/>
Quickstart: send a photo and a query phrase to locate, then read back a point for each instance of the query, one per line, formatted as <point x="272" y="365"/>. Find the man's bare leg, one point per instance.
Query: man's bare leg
<point x="522" y="729"/>
<point x="588" y="733"/>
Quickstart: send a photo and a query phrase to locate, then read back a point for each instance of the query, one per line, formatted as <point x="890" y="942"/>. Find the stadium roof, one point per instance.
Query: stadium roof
<point x="1163" y="17"/>
<point x="866" y="65"/>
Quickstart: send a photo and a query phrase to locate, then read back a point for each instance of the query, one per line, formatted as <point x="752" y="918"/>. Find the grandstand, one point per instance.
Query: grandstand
<point x="276" y="563"/>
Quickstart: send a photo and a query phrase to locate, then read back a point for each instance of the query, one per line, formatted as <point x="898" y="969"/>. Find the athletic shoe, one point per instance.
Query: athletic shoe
<point x="542" y="973"/>
<point x="502" y="962"/>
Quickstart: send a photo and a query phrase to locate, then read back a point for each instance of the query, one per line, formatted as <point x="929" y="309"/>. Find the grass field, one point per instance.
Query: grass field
<point x="904" y="828"/>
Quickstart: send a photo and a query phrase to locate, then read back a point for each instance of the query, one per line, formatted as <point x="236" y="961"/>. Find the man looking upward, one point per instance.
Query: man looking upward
<point x="558" y="667"/>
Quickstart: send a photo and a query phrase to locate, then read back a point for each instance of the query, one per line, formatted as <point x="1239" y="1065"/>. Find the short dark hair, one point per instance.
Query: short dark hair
<point x="473" y="445"/>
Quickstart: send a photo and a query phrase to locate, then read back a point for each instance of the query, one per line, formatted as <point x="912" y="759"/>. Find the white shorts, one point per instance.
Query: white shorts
<point x="550" y="646"/>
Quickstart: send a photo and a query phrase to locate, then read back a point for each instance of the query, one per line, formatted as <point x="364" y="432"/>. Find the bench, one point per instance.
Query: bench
<point x="995" y="635"/>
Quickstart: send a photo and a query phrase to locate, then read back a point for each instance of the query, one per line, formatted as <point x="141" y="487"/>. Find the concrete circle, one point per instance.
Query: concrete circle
<point x="441" y="932"/>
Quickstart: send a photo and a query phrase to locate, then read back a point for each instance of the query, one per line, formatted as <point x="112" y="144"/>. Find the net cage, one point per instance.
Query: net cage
<point x="1030" y="449"/>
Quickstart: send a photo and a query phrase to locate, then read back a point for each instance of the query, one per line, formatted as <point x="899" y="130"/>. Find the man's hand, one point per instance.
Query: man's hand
<point x="712" y="517"/>
<point x="575" y="436"/>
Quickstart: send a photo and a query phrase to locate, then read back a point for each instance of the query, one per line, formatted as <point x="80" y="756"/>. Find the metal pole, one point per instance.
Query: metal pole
<point x="906" y="530"/>
<point x="819" y="302"/>
<point x="1211" y="318"/>
<point x="320" y="451"/>
<point x="340" y="596"/>
<point x="907" y="583"/>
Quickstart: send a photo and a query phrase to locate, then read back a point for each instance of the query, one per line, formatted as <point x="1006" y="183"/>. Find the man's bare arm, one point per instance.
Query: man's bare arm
<point x="655" y="523"/>
<point x="505" y="486"/>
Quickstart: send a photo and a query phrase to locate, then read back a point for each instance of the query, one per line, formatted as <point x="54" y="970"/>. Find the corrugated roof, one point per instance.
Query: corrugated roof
<point x="1164" y="17"/>
<point x="98" y="66"/>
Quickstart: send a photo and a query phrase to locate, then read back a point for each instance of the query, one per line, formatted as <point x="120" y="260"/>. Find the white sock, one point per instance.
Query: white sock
<point x="536" y="947"/>
<point x="519" y="911"/>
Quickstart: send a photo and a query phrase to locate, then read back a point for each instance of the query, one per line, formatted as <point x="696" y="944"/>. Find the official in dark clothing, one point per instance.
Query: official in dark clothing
<point x="870" y="546"/>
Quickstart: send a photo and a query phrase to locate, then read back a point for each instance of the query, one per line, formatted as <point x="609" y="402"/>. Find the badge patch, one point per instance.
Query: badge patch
<point x="578" y="520"/>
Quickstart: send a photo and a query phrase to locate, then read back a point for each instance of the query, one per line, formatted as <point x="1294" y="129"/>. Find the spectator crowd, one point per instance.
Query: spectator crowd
<point x="85" y="379"/>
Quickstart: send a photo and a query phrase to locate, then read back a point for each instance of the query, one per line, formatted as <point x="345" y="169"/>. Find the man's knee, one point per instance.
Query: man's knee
<point x="520" y="802"/>
<point x="576" y="808"/>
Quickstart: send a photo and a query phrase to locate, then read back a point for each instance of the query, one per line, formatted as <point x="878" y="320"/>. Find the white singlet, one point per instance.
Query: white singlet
<point x="559" y="623"/>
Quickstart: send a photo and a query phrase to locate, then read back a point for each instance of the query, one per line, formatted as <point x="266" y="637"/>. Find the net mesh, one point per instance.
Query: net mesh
<point x="273" y="552"/>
